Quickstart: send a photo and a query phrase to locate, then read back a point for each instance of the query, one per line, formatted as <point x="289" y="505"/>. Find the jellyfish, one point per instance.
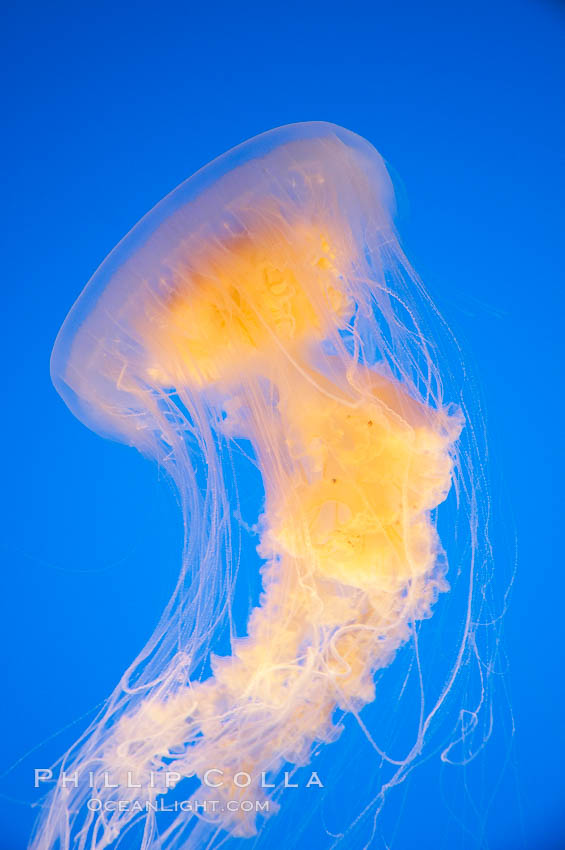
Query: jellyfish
<point x="266" y="308"/>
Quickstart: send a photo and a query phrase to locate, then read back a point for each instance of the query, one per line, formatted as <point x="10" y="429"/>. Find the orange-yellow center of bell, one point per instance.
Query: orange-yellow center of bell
<point x="243" y="300"/>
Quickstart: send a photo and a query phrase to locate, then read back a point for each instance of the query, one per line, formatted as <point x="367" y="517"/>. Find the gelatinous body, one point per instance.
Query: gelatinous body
<point x="266" y="303"/>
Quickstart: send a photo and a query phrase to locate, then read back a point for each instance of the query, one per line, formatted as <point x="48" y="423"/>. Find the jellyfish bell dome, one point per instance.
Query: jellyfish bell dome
<point x="300" y="193"/>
